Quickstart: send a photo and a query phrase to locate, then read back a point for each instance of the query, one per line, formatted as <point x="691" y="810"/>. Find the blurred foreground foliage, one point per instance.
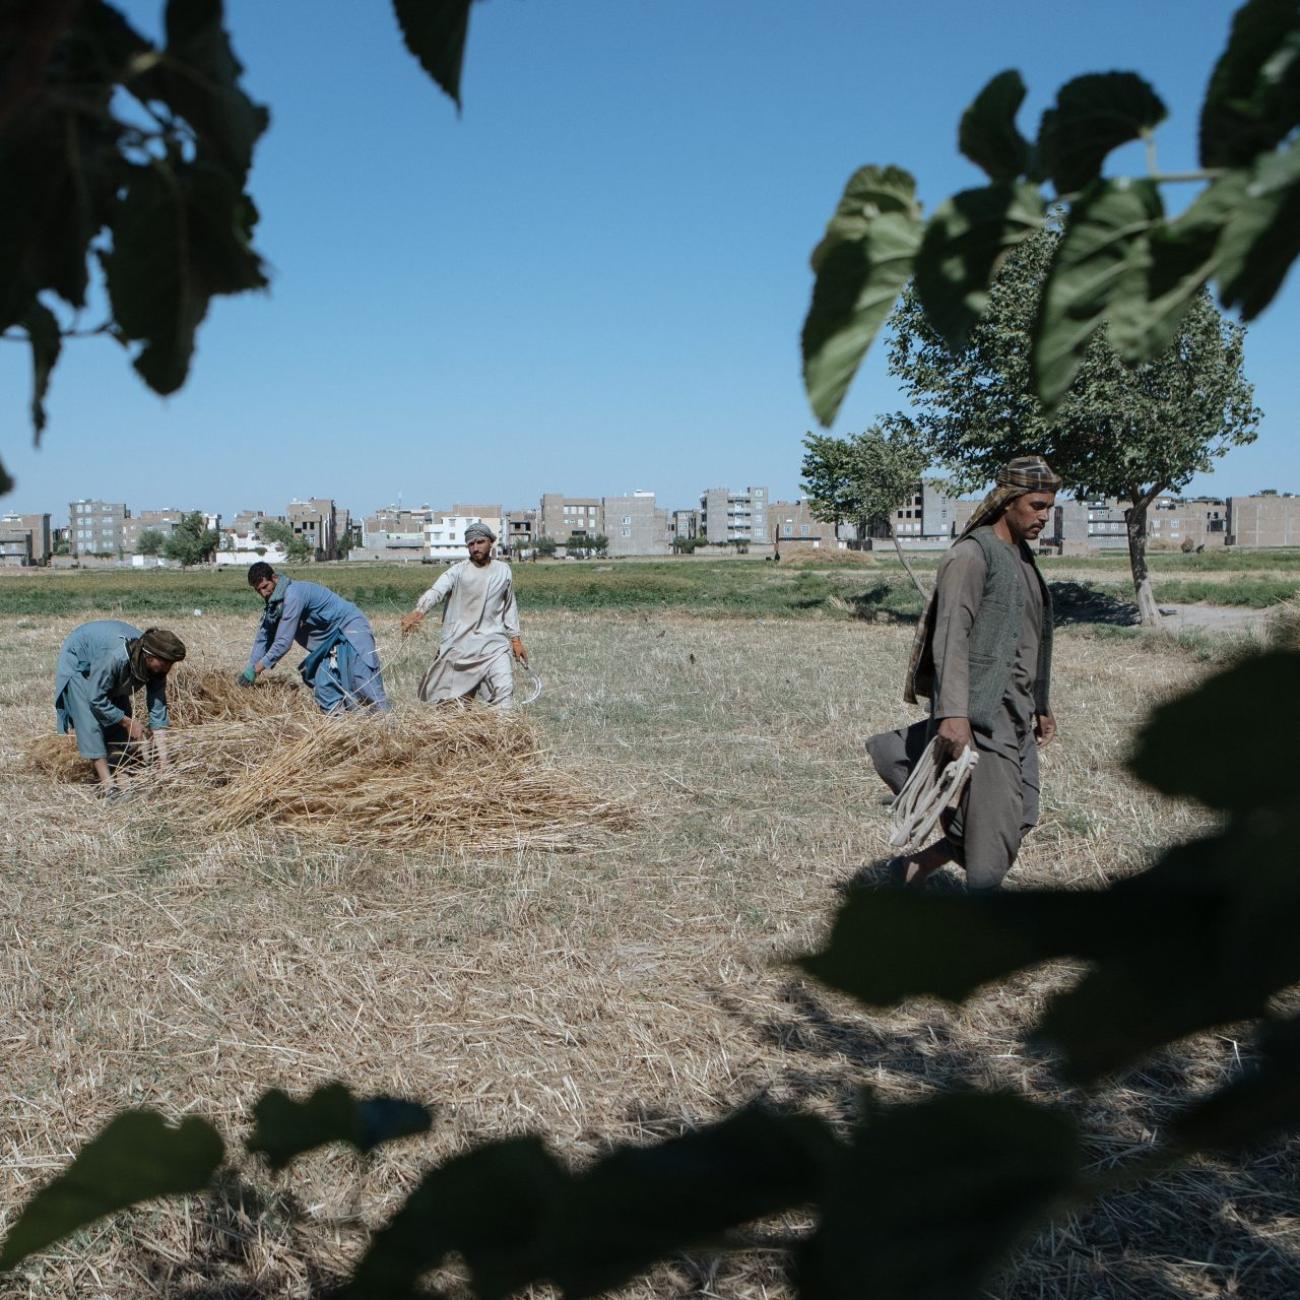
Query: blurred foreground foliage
<point x="914" y="1200"/>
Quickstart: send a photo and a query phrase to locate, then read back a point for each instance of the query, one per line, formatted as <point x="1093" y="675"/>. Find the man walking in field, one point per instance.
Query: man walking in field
<point x="480" y="628"/>
<point x="342" y="662"/>
<point x="101" y="666"/>
<point x="983" y="656"/>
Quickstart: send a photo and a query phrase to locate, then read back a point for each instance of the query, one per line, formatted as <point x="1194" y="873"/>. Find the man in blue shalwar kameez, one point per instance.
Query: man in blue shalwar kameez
<point x="101" y="666"/>
<point x="342" y="663"/>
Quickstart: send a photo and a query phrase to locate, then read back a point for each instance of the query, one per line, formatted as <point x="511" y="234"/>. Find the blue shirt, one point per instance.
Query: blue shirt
<point x="310" y="615"/>
<point x="97" y="651"/>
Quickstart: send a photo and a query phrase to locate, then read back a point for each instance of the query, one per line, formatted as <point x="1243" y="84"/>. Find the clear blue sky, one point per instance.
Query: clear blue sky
<point x="593" y="280"/>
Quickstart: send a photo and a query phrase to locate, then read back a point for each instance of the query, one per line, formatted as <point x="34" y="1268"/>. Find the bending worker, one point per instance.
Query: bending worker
<point x="101" y="666"/>
<point x="342" y="663"/>
<point x="480" y="628"/>
<point x="983" y="657"/>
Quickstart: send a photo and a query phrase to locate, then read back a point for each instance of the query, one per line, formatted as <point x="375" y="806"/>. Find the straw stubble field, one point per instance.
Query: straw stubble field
<point x="615" y="991"/>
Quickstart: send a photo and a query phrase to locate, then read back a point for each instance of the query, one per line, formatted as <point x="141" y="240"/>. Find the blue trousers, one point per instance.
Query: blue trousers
<point x="350" y="679"/>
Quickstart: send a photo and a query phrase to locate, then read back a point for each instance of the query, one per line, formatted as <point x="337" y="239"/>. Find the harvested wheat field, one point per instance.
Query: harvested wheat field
<point x="249" y="922"/>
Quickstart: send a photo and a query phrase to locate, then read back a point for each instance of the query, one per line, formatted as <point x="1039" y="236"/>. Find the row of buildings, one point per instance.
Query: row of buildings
<point x="633" y="524"/>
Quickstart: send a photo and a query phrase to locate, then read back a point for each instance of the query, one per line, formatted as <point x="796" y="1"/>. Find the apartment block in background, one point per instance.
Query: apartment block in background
<point x="97" y="528"/>
<point x="520" y="530"/>
<point x="1083" y="525"/>
<point x="36" y="527"/>
<point x="162" y="521"/>
<point x="315" y="521"/>
<point x="242" y="541"/>
<point x="15" y="549"/>
<point x="792" y="528"/>
<point x="727" y="516"/>
<point x="927" y="520"/>
<point x="1264" y="519"/>
<point x="686" y="524"/>
<point x="393" y="533"/>
<point x="1177" y="521"/>
<point x="445" y="532"/>
<point x="561" y="516"/>
<point x="634" y="525"/>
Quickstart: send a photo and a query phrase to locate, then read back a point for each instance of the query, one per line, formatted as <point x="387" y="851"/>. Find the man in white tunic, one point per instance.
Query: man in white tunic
<point x="480" y="628"/>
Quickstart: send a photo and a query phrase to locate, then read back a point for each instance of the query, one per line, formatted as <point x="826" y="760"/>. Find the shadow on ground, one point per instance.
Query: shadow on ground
<point x="1079" y="602"/>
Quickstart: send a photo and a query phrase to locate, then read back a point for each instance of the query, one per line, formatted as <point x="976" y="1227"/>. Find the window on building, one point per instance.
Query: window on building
<point x="625" y="532"/>
<point x="805" y="530"/>
<point x="627" y="519"/>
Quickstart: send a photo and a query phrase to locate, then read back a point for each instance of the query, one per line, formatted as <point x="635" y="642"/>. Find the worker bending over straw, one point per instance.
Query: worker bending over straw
<point x="102" y="664"/>
<point x="342" y="662"/>
<point x="480" y="628"/>
<point x="983" y="656"/>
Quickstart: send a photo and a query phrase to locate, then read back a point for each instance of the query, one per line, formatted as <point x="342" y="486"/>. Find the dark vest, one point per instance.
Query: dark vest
<point x="996" y="632"/>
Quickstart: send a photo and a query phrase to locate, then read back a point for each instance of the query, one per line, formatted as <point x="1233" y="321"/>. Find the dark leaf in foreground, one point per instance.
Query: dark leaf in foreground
<point x="43" y="331"/>
<point x="963" y="246"/>
<point x="861" y="264"/>
<point x="988" y="135"/>
<point x="6" y="483"/>
<point x="1092" y="265"/>
<point x="1093" y="115"/>
<point x="1265" y="1101"/>
<point x="1252" y="764"/>
<point x="136" y="1157"/>
<point x="180" y="235"/>
<point x="1253" y="97"/>
<point x="435" y="31"/>
<point x="934" y="1195"/>
<point x="285" y="1129"/>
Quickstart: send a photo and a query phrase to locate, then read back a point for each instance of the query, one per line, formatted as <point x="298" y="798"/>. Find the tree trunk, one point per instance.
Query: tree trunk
<point x="1135" y="518"/>
<point x="902" y="559"/>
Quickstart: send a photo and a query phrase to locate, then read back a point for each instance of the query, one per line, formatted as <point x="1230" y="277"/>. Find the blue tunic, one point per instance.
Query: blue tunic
<point x="320" y="620"/>
<point x="93" y="685"/>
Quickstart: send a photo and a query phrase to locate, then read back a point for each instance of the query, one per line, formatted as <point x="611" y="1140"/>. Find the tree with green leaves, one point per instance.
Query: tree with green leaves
<point x="864" y="478"/>
<point x="150" y="542"/>
<point x="546" y="547"/>
<point x="191" y="541"/>
<point x="296" y="550"/>
<point x="1126" y="431"/>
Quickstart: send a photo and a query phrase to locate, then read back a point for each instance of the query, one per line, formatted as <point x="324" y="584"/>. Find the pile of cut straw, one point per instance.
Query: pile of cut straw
<point x="460" y="777"/>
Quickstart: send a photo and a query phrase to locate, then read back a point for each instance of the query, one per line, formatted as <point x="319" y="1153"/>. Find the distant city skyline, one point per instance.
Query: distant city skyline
<point x="593" y="279"/>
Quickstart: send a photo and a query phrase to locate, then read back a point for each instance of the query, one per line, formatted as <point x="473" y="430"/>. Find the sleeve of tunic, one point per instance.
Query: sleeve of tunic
<point x="288" y="628"/>
<point x="156" y="695"/>
<point x="440" y="590"/>
<point x="510" y="618"/>
<point x="959" y="586"/>
<point x="99" y="683"/>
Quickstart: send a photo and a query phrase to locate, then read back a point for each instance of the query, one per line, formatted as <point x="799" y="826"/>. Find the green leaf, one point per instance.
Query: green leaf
<point x="137" y="1157"/>
<point x="1093" y="262"/>
<point x="1093" y="115"/>
<point x="861" y="264"/>
<point x="1261" y="238"/>
<point x="1170" y="269"/>
<point x="285" y="1129"/>
<point x="43" y="330"/>
<point x="435" y="31"/>
<point x="198" y="78"/>
<point x="180" y="235"/>
<point x="1253" y="100"/>
<point x="988" y="135"/>
<point x="963" y="246"/>
<point x="934" y="1195"/>
<point x="1253" y="763"/>
<point x="1265" y="1101"/>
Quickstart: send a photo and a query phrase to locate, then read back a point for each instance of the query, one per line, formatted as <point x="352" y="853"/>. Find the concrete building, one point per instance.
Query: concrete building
<point x="927" y="520"/>
<point x="520" y="531"/>
<point x="393" y="533"/>
<point x="560" y="516"/>
<point x="97" y="528"/>
<point x="739" y="517"/>
<point x="686" y="524"/>
<point x="1082" y="525"/>
<point x="634" y="525"/>
<point x="15" y="549"/>
<point x="792" y="528"/>
<point x="1175" y="522"/>
<point x="242" y="541"/>
<point x="161" y="521"/>
<point x="445" y="532"/>
<point x="1264" y="519"/>
<point x="315" y="521"/>
<point x="37" y="527"/>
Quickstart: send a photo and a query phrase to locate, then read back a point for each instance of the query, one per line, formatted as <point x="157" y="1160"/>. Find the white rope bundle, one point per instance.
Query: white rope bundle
<point x="919" y="804"/>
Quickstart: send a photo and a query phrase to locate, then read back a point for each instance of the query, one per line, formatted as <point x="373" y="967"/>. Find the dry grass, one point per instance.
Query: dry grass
<point x="613" y="993"/>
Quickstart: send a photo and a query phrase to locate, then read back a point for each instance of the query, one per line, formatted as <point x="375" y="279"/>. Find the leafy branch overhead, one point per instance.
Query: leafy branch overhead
<point x="136" y="155"/>
<point x="1122" y="264"/>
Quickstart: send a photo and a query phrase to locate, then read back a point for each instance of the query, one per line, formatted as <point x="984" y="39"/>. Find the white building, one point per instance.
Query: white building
<point x="444" y="535"/>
